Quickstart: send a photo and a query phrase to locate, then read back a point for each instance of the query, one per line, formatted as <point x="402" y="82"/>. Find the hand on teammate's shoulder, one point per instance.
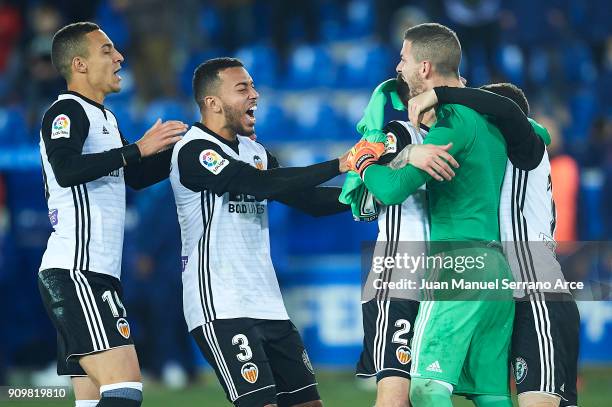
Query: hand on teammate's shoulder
<point x="160" y="136"/>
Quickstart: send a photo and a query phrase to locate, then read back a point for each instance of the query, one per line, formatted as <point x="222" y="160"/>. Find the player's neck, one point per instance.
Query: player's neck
<point x="449" y="81"/>
<point x="87" y="91"/>
<point x="219" y="127"/>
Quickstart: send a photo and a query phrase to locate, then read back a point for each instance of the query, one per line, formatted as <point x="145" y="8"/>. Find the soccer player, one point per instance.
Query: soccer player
<point x="547" y="322"/>
<point x="389" y="315"/>
<point x="86" y="164"/>
<point x="454" y="340"/>
<point x="222" y="180"/>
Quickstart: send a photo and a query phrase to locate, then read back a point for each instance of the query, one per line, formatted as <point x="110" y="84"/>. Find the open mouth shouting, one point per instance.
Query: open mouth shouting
<point x="250" y="115"/>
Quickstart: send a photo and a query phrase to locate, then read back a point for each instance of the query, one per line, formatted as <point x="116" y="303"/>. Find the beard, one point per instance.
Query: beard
<point x="233" y="121"/>
<point x="416" y="84"/>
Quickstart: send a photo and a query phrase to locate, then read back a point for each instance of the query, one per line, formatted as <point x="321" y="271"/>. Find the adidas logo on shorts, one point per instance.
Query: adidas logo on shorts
<point x="434" y="367"/>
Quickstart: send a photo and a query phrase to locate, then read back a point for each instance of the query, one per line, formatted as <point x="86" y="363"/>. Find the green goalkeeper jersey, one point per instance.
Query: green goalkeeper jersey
<point x="465" y="208"/>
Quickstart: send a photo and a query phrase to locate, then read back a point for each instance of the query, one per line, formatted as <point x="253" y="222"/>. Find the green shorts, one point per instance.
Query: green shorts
<point x="466" y="343"/>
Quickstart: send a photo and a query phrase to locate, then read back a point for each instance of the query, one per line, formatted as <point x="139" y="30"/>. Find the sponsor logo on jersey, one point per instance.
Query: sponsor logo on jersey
<point x="520" y="370"/>
<point x="390" y="144"/>
<point x="104" y="130"/>
<point x="250" y="372"/>
<point x="60" y="127"/>
<point x="245" y="204"/>
<point x="123" y="327"/>
<point x="115" y="173"/>
<point x="212" y="161"/>
<point x="306" y="361"/>
<point x="258" y="162"/>
<point x="403" y="354"/>
<point x="53" y="217"/>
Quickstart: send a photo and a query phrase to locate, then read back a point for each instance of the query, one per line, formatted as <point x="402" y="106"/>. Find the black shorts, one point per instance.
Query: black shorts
<point x="258" y="361"/>
<point x="87" y="311"/>
<point x="387" y="335"/>
<point x="545" y="347"/>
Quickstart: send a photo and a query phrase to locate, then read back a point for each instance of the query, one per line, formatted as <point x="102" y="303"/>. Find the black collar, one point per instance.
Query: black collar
<point x="231" y="144"/>
<point x="424" y="127"/>
<point x="86" y="99"/>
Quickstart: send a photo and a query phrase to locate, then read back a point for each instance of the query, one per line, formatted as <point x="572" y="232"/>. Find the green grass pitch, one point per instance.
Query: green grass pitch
<point x="338" y="389"/>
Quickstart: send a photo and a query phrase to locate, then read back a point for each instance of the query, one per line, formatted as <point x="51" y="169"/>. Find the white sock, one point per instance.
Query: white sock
<point x="86" y="403"/>
<point x="122" y="385"/>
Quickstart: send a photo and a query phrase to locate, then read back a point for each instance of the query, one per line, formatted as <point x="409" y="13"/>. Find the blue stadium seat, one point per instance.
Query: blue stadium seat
<point x="262" y="63"/>
<point x="584" y="106"/>
<point x="365" y="66"/>
<point x="272" y="122"/>
<point x="13" y="130"/>
<point x="125" y="112"/>
<point x="479" y="69"/>
<point x="591" y="198"/>
<point x="539" y="66"/>
<point x="166" y="109"/>
<point x="360" y="18"/>
<point x="209" y="23"/>
<point x="310" y="66"/>
<point x="511" y="62"/>
<point x="316" y="119"/>
<point x="330" y="17"/>
<point x="185" y="73"/>
<point x="577" y="62"/>
<point x="114" y="25"/>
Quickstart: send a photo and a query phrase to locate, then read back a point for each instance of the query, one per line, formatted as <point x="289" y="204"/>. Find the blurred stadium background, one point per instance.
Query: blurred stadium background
<point x="314" y="63"/>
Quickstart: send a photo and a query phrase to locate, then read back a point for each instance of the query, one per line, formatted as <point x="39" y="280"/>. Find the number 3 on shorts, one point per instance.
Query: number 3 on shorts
<point x="243" y="344"/>
<point x="404" y="326"/>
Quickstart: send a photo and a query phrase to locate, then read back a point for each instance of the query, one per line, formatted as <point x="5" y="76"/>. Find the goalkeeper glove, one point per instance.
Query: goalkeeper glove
<point x="364" y="154"/>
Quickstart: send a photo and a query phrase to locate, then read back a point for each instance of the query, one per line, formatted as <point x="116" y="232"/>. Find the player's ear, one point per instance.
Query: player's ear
<point x="79" y="65"/>
<point x="426" y="69"/>
<point x="213" y="104"/>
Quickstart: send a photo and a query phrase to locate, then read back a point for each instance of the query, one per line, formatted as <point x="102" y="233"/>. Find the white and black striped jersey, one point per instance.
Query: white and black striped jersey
<point x="527" y="211"/>
<point x="221" y="190"/>
<point x="404" y="227"/>
<point x="83" y="155"/>
<point x="527" y="226"/>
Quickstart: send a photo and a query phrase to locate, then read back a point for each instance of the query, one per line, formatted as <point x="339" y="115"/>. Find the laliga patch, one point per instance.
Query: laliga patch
<point x="123" y="327"/>
<point x="60" y="127"/>
<point x="212" y="161"/>
<point x="258" y="162"/>
<point x="390" y="144"/>
<point x="520" y="370"/>
<point x="250" y="372"/>
<point x="306" y="361"/>
<point x="403" y="355"/>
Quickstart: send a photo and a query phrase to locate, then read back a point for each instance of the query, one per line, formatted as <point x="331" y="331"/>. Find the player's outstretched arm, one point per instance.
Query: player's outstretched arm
<point x="204" y="166"/>
<point x="317" y="201"/>
<point x="314" y="201"/>
<point x="157" y="145"/>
